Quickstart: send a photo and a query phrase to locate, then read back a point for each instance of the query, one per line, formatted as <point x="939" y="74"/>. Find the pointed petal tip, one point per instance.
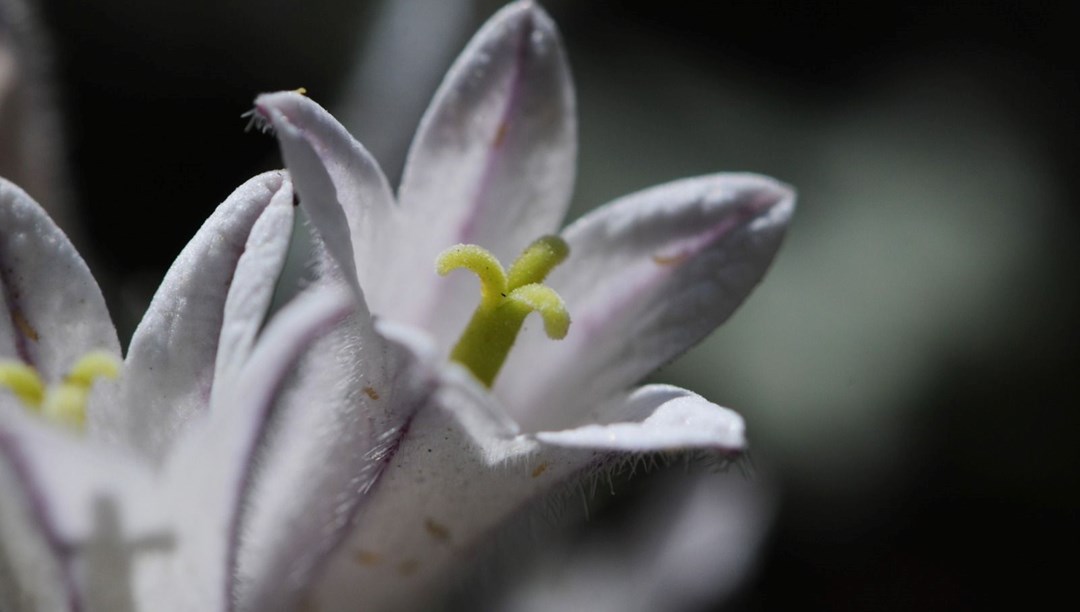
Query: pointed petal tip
<point x="763" y="195"/>
<point x="781" y="198"/>
<point x="287" y="111"/>
<point x="280" y="101"/>
<point x="522" y="9"/>
<point x="758" y="203"/>
<point x="536" y="23"/>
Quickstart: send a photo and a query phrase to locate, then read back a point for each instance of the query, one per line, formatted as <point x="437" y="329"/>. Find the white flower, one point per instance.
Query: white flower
<point x="141" y="513"/>
<point x="647" y="277"/>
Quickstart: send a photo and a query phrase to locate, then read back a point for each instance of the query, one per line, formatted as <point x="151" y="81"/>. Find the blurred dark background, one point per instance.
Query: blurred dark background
<point x="906" y="371"/>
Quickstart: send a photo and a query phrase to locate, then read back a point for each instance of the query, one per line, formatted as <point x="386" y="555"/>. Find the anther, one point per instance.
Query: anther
<point x="23" y="381"/>
<point x="64" y="402"/>
<point x="506" y="299"/>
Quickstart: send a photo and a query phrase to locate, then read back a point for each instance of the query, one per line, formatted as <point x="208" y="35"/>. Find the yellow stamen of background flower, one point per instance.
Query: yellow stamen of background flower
<point x="505" y="300"/>
<point x="23" y="381"/>
<point x="64" y="402"/>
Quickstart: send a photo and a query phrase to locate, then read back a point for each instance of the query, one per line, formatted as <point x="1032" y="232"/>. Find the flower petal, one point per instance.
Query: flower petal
<point x="213" y="465"/>
<point x="33" y="574"/>
<point x="454" y="477"/>
<point x="51" y="310"/>
<point x="656" y="418"/>
<point x="359" y="184"/>
<point x="648" y="276"/>
<point x="333" y="433"/>
<point x="318" y="192"/>
<point x="492" y="164"/>
<point x="170" y="364"/>
<point x="252" y="289"/>
<point x="461" y="473"/>
<point x="80" y="527"/>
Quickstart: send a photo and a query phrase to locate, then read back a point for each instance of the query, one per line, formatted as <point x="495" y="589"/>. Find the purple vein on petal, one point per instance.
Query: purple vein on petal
<point x="667" y="261"/>
<point x="384" y="455"/>
<point x="385" y="450"/>
<point x="695" y="245"/>
<point x="20" y="467"/>
<point x="481" y="203"/>
<point x="297" y="327"/>
<point x="20" y="327"/>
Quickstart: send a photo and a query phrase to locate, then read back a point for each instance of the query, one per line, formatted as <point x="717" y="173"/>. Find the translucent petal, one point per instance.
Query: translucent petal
<point x="359" y="185"/>
<point x="648" y="276"/>
<point x="492" y="164"/>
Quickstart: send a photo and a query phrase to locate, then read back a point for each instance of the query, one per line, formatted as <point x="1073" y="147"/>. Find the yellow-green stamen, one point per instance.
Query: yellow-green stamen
<point x="23" y="381"/>
<point x="63" y="402"/>
<point x="506" y="298"/>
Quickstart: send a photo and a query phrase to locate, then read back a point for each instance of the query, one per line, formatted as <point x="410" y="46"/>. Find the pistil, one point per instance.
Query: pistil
<point x="506" y="298"/>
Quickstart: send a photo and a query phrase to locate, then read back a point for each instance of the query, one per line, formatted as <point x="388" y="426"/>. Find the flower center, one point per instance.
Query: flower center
<point x="63" y="402"/>
<point x="505" y="299"/>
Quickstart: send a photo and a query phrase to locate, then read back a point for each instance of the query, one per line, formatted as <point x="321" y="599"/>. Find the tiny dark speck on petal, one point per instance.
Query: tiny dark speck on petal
<point x="500" y="135"/>
<point x="367" y="558"/>
<point x="24" y="326"/>
<point x="437" y="530"/>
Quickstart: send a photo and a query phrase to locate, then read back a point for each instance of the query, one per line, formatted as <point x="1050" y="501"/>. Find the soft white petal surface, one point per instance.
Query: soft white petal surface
<point x="359" y="184"/>
<point x="648" y="276"/>
<point x="332" y="434"/>
<point x="252" y="288"/>
<point x="318" y="194"/>
<point x="51" y="310"/>
<point x="78" y="522"/>
<point x="492" y="164"/>
<point x="460" y="473"/>
<point x="451" y="480"/>
<point x="169" y="370"/>
<point x="656" y="418"/>
<point x="214" y="464"/>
